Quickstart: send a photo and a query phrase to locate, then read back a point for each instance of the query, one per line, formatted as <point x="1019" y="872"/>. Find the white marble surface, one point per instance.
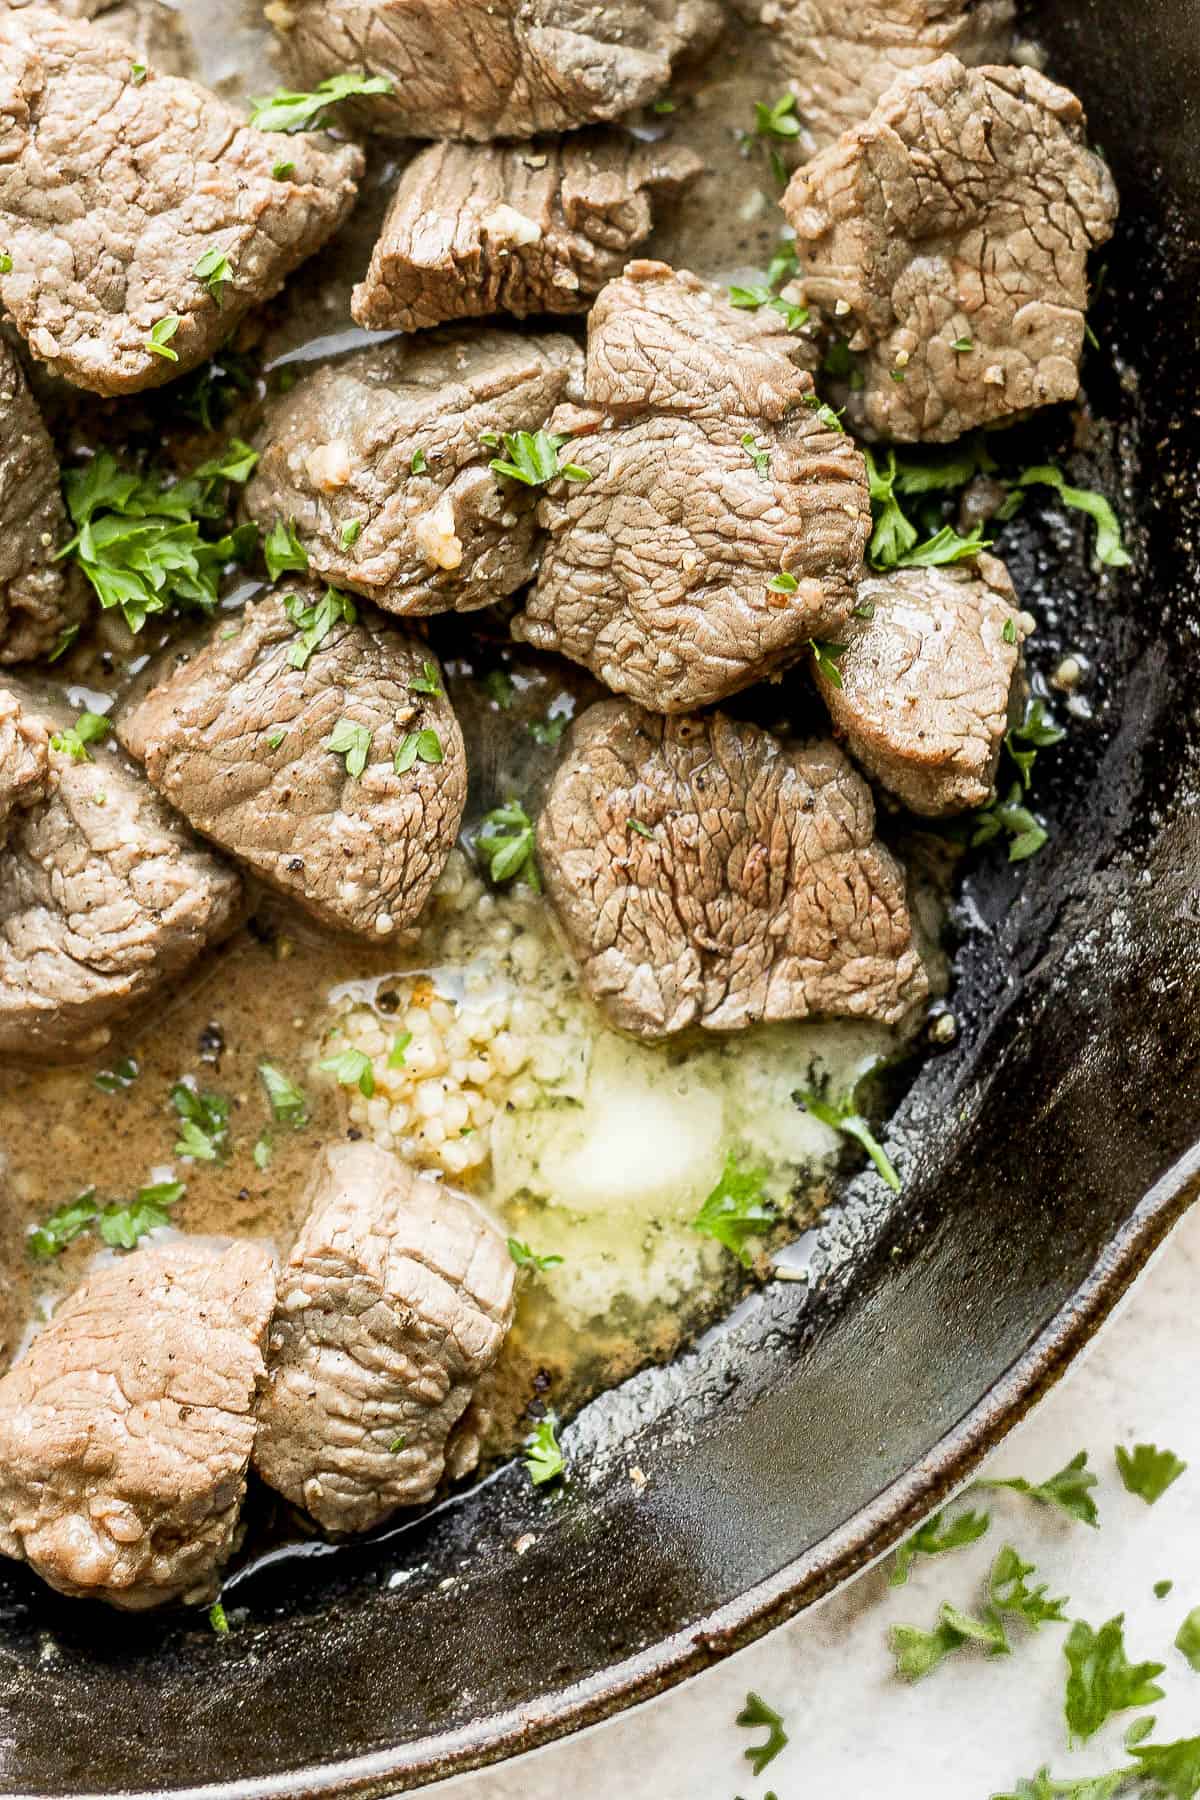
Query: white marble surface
<point x="976" y="1724"/>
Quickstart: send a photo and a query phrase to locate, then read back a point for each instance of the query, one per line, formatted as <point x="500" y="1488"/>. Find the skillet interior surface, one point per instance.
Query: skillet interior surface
<point x="1043" y="1158"/>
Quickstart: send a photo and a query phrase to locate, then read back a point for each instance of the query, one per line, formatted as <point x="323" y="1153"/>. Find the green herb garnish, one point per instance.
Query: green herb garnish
<point x="525" y="1258"/>
<point x="283" y="551"/>
<point x="1069" y="1490"/>
<point x="353" y="741"/>
<point x="935" y="1538"/>
<point x="214" y="270"/>
<point x="289" y="111"/>
<point x="843" y="1115"/>
<point x="288" y="1105"/>
<point x="315" y="621"/>
<point x="351" y="1068"/>
<point x="1148" y="1471"/>
<point x="506" y="843"/>
<point x="89" y="728"/>
<point x="204" y="1132"/>
<point x="1101" y="1680"/>
<point x="757" y="1713"/>
<point x="543" y="1457"/>
<point x="736" y="1210"/>
<point x="533" y="458"/>
<point x="121" y="1226"/>
<point x="424" y="746"/>
<point x="161" y="333"/>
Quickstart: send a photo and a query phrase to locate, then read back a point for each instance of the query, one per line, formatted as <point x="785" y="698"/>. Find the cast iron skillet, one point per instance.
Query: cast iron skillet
<point x="1044" y="1158"/>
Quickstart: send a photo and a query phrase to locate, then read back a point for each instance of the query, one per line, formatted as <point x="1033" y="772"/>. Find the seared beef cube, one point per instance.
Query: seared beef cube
<point x="481" y="69"/>
<point x="104" y="894"/>
<point x="241" y="742"/>
<point x="378" y="461"/>
<point x="705" y="873"/>
<point x="25" y="777"/>
<point x="39" y="597"/>
<point x="127" y="1426"/>
<point x="394" y="1302"/>
<point x="927" y="682"/>
<point x="130" y="202"/>
<point x="950" y="236"/>
<point x="840" y="57"/>
<point x="725" y="519"/>
<point x="521" y="228"/>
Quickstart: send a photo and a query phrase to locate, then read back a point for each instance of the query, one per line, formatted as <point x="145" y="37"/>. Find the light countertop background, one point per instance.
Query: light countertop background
<point x="977" y="1724"/>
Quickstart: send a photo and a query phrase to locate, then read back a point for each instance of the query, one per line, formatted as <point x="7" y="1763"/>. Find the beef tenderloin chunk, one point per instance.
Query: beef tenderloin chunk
<point x="841" y="56"/>
<point x="961" y="213"/>
<point x="525" y="228"/>
<point x="724" y="523"/>
<point x="481" y="69"/>
<point x="237" y="740"/>
<point x="113" y="189"/>
<point x="705" y="873"/>
<point x="39" y="598"/>
<point x="927" y="682"/>
<point x="394" y="1302"/>
<point x="104" y="895"/>
<point x="25" y="777"/>
<point x="127" y="1426"/>
<point x="378" y="461"/>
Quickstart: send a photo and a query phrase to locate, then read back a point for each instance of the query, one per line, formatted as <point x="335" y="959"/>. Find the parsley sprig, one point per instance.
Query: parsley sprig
<point x="1148" y="1471"/>
<point x="314" y="620"/>
<point x="736" y="1210"/>
<point x="936" y="1537"/>
<point x="525" y="1258"/>
<point x="757" y="1713"/>
<point x="89" y="728"/>
<point x="843" y="1115"/>
<point x="543" y="1458"/>
<point x="286" y="110"/>
<point x="506" y="844"/>
<point x="121" y="1224"/>
<point x="1070" y="1490"/>
<point x="144" y="542"/>
<point x="532" y="457"/>
<point x="204" y="1128"/>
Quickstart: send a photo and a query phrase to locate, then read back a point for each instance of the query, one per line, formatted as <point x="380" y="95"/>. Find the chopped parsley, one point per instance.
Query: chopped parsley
<point x="736" y="1210"/>
<point x="1148" y="1471"/>
<point x="756" y="1713"/>
<point x="424" y="746"/>
<point x="161" y="333"/>
<point x="1009" y="633"/>
<point x="139" y="539"/>
<point x="218" y="1620"/>
<point x="961" y="345"/>
<point x="1162" y="1588"/>
<point x="499" y="687"/>
<point x="351" y="1068"/>
<point x="288" y="111"/>
<point x="843" y="1115"/>
<point x="637" y="825"/>
<point x="137" y="73"/>
<point x="1110" y="550"/>
<point x="749" y="299"/>
<point x="398" y="1054"/>
<point x="506" y="843"/>
<point x="1026" y="834"/>
<point x="89" y="728"/>
<point x="351" y="532"/>
<point x="204" y="1131"/>
<point x="353" y="741"/>
<point x="935" y="1538"/>
<point x="1069" y="1490"/>
<point x="1035" y="733"/>
<point x="543" y="1457"/>
<point x="283" y="170"/>
<point x="917" y="1653"/>
<point x="283" y="551"/>
<point x="1101" y="1680"/>
<point x="1009" y="1592"/>
<point x="783" y="583"/>
<point x="759" y="457"/>
<point x="1174" y="1768"/>
<point x="315" y="621"/>
<point x="287" y="1103"/>
<point x="1187" y="1638"/>
<point x="263" y="1150"/>
<point x="427" y="682"/>
<point x="525" y="1258"/>
<point x="63" y="1227"/>
<point x="825" y="655"/>
<point x="533" y="458"/>
<point x="778" y="120"/>
<point x="550" y="729"/>
<point x="121" y="1226"/>
<point x="5" y="263"/>
<point x="117" y="1080"/>
<point x="895" y="541"/>
<point x="276" y="736"/>
<point x="831" y="420"/>
<point x="214" y="269"/>
<point x="397" y="1444"/>
<point x="420" y="462"/>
